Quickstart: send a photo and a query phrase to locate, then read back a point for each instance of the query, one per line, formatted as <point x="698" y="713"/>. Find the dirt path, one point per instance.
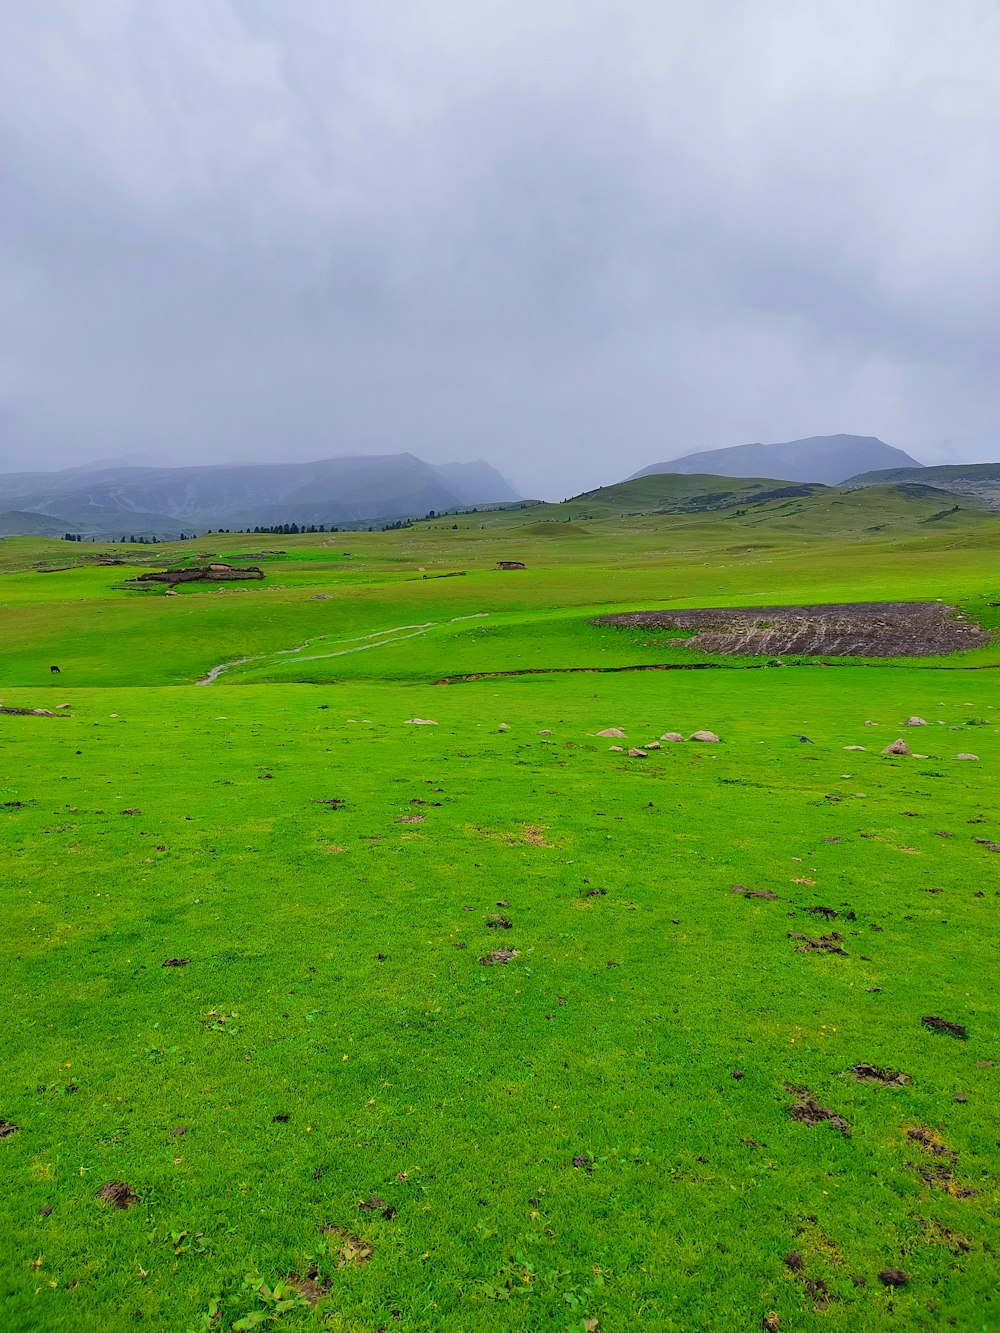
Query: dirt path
<point x="364" y="642"/>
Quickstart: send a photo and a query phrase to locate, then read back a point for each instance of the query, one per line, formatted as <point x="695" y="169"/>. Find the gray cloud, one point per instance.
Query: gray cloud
<point x="571" y="238"/>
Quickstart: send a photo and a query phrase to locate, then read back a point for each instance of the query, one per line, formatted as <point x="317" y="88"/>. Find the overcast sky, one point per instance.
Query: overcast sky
<point x="572" y="237"/>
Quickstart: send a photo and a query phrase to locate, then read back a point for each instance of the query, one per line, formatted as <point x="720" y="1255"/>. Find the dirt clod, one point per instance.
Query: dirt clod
<point x="897" y="747"/>
<point x="809" y="1112"/>
<point x="938" y="1024"/>
<point x="890" y="1078"/>
<point x="498" y="923"/>
<point x="893" y="1277"/>
<point x="583" y="1163"/>
<point x="175" y="962"/>
<point x="498" y="956"/>
<point x="831" y="943"/>
<point x="771" y="1322"/>
<point x="177" y="1131"/>
<point x="118" y="1194"/>
<point x="7" y="1128"/>
<point x="794" y="1261"/>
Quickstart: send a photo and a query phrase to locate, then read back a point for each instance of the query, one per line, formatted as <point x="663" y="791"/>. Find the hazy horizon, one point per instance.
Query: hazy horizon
<point x="569" y="242"/>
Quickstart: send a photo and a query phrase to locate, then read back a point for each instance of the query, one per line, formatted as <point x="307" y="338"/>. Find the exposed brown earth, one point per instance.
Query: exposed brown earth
<point x="861" y="629"/>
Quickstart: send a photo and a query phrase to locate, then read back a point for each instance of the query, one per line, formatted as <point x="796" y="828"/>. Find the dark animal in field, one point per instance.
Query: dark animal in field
<point x="54" y="670"/>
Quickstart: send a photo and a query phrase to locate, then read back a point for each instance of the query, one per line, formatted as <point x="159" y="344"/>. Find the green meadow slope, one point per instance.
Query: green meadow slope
<point x="250" y="929"/>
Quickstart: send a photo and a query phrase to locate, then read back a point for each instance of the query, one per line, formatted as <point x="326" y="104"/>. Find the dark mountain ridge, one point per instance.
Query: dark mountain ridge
<point x="830" y="459"/>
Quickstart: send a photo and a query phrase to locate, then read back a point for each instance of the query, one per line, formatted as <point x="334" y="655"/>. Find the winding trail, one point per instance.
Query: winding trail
<point x="364" y="643"/>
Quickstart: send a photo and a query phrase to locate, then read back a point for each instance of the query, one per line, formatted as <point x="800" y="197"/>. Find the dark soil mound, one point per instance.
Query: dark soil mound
<point x="857" y="629"/>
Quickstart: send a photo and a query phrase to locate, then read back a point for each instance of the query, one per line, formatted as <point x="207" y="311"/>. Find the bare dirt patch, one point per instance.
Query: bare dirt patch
<point x="118" y="1194"/>
<point x="809" y="1112"/>
<point x="311" y="1287"/>
<point x="889" y="1078"/>
<point x="854" y="629"/>
<point x="938" y="1024"/>
<point x="353" y="1251"/>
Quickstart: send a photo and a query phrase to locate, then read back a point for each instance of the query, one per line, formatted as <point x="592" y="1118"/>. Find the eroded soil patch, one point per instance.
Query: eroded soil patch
<point x="858" y="629"/>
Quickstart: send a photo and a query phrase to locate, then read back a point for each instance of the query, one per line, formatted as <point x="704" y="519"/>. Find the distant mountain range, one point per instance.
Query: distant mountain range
<point x="114" y="499"/>
<point x="825" y="458"/>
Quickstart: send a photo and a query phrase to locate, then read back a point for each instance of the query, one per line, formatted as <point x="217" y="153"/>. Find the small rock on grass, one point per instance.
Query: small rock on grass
<point x="637" y="754"/>
<point x="615" y="732"/>
<point x="974" y="757"/>
<point x="419" y="722"/>
<point x="914" y="721"/>
<point x="709" y="737"/>
<point x="671" y="736"/>
<point x="897" y="747"/>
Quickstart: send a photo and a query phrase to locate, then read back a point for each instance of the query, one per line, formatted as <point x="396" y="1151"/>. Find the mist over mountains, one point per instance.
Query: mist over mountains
<point x="107" y="499"/>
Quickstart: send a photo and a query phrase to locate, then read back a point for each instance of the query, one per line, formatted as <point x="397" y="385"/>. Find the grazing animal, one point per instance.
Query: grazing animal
<point x="54" y="670"/>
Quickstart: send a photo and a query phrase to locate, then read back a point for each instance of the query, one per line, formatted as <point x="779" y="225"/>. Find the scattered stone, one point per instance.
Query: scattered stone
<point x="973" y="757"/>
<point x="855" y="747"/>
<point x="410" y="819"/>
<point x="709" y="737"/>
<point x="504" y="726"/>
<point x="914" y="721"/>
<point x="615" y="732"/>
<point x="671" y="736"/>
<point x="637" y="754"/>
<point x="545" y="732"/>
<point x="809" y="1112"/>
<point x="938" y="1024"/>
<point x="653" y="745"/>
<point x="894" y="1277"/>
<point x="897" y="747"/>
<point x="615" y="749"/>
<point x="419" y="722"/>
<point x="118" y="1194"/>
<point x="890" y="1078"/>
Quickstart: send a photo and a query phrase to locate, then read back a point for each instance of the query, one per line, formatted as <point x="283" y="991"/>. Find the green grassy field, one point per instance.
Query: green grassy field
<point x="601" y="1132"/>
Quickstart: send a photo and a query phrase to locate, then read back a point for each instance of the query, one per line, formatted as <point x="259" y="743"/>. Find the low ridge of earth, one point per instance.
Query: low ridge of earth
<point x="860" y="629"/>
